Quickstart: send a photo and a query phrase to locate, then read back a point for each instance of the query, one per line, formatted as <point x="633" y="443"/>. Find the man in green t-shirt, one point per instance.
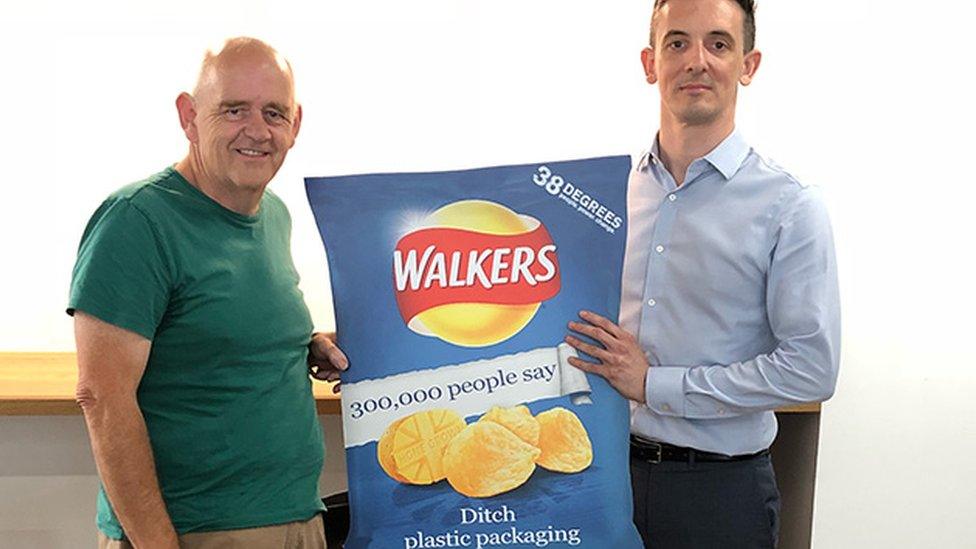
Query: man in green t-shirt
<point x="194" y="342"/>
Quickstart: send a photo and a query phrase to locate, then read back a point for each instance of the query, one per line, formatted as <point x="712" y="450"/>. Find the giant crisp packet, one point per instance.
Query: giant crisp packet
<point x="464" y="423"/>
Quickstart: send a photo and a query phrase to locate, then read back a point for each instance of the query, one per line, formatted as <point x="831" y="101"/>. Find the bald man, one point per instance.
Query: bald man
<point x="194" y="342"/>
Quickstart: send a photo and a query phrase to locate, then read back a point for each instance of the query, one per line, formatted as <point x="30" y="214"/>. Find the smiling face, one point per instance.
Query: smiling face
<point x="698" y="60"/>
<point x="241" y="120"/>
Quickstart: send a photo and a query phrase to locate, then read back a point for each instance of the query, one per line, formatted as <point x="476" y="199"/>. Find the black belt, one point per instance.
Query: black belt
<point x="655" y="452"/>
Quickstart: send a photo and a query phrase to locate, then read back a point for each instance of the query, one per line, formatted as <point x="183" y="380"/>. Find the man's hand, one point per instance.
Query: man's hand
<point x="325" y="360"/>
<point x="622" y="362"/>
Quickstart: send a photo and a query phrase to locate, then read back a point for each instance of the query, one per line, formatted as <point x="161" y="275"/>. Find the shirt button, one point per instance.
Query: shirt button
<point x="665" y="407"/>
<point x="651" y="302"/>
<point x="721" y="411"/>
<point x="672" y="197"/>
<point x="659" y="249"/>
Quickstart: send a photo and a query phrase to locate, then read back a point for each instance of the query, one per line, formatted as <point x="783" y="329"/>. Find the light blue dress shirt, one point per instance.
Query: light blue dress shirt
<point x="730" y="284"/>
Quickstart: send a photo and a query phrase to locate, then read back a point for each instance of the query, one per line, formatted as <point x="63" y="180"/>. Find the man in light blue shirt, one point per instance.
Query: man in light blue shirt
<point x="730" y="305"/>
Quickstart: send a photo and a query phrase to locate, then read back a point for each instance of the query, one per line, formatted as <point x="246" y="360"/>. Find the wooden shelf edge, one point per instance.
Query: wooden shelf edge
<point x="61" y="369"/>
<point x="807" y="408"/>
<point x="39" y="407"/>
<point x="324" y="406"/>
<point x="62" y="407"/>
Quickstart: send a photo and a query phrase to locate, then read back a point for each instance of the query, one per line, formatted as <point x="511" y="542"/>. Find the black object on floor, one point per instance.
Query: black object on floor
<point x="336" y="519"/>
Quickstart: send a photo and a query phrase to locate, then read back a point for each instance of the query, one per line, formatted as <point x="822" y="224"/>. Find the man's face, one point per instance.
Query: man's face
<point x="246" y="120"/>
<point x="697" y="59"/>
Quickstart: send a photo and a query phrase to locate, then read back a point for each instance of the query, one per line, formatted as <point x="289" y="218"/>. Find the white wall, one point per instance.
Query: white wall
<point x="871" y="100"/>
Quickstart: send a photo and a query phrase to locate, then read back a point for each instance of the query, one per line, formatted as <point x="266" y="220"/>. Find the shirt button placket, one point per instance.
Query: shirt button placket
<point x="654" y="266"/>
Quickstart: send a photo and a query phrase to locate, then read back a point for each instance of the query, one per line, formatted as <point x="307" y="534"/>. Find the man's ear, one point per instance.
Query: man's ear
<point x="750" y="64"/>
<point x="296" y="124"/>
<point x="647" y="60"/>
<point x="187" y="110"/>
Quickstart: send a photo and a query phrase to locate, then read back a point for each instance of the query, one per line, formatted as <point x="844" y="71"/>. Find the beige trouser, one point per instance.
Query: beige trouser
<point x="293" y="535"/>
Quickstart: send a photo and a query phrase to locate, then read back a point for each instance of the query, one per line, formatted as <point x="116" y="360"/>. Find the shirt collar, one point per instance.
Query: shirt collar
<point x="727" y="157"/>
<point x="652" y="156"/>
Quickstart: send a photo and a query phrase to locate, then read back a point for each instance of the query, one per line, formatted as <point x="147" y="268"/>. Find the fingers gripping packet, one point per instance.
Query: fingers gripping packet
<point x="464" y="423"/>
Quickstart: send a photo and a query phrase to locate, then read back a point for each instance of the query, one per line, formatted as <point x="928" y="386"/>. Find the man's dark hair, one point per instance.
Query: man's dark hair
<point x="748" y="22"/>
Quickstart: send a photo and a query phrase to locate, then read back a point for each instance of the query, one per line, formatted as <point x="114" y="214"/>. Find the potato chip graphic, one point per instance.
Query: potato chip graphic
<point x="419" y="441"/>
<point x="384" y="452"/>
<point x="486" y="459"/>
<point x="517" y="419"/>
<point x="565" y="445"/>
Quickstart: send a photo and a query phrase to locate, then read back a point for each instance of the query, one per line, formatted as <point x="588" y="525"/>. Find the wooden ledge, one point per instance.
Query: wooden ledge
<point x="43" y="384"/>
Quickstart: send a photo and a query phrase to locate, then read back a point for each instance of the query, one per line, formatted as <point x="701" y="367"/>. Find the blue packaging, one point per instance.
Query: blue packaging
<point x="463" y="422"/>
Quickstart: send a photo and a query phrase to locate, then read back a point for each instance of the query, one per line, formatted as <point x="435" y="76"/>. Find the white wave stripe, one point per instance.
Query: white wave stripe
<point x="369" y="406"/>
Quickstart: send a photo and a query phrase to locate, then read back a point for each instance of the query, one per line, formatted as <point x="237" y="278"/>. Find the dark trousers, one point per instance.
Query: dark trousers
<point x="701" y="505"/>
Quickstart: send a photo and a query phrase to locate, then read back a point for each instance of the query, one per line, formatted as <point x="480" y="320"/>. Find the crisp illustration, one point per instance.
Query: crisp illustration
<point x="491" y="456"/>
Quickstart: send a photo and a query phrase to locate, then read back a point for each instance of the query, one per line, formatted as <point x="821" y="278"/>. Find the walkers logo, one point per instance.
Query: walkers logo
<point x="475" y="274"/>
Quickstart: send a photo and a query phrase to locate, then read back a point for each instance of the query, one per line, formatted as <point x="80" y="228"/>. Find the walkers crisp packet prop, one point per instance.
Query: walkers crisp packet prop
<point x="464" y="423"/>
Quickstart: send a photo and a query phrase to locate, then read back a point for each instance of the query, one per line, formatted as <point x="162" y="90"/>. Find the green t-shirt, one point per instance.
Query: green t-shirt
<point x="225" y="395"/>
